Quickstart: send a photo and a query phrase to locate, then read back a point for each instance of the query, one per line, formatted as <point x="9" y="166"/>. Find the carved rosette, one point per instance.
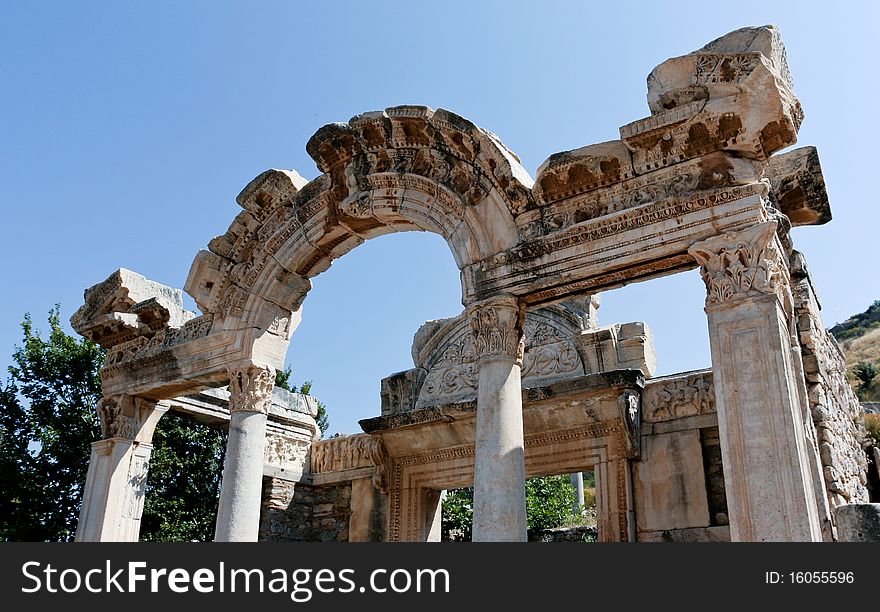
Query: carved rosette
<point x="250" y="389"/>
<point x="736" y="265"/>
<point x="497" y="328"/>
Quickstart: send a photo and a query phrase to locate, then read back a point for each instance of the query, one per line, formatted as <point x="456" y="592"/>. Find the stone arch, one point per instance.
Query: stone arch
<point x="407" y="168"/>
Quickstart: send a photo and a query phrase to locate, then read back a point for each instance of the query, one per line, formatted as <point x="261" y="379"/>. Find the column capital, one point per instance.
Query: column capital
<point x="743" y="263"/>
<point x="128" y="417"/>
<point x="497" y="328"/>
<point x="250" y="388"/>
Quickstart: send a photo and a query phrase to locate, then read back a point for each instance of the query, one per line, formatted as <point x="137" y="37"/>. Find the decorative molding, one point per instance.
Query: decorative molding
<point x="616" y="224"/>
<point x="738" y="264"/>
<point x="250" y="389"/>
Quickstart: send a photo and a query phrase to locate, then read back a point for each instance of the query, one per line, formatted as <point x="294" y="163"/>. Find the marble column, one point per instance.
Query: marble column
<point x="499" y="465"/>
<point x="577" y="481"/>
<point x="238" y="514"/>
<point x="113" y="496"/>
<point x="764" y="446"/>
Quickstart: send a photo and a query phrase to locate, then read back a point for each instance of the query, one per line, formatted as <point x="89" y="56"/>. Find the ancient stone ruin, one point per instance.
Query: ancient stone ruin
<point x="765" y="445"/>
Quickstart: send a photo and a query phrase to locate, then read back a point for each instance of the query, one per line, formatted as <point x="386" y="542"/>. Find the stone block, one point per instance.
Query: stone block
<point x="670" y="484"/>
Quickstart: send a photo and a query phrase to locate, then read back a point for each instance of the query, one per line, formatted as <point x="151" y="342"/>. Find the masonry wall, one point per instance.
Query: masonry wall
<point x="836" y="412"/>
<point x="297" y="512"/>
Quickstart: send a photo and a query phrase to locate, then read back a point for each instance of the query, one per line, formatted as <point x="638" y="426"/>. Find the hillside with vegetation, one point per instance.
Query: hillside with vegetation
<point x="859" y="337"/>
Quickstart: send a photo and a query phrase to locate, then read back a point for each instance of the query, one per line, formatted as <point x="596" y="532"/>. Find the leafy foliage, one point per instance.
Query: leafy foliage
<point x="865" y="373"/>
<point x="872" y="426"/>
<point x="549" y="501"/>
<point x="47" y="424"/>
<point x="183" y="487"/>
<point x="282" y="379"/>
<point x="457" y="515"/>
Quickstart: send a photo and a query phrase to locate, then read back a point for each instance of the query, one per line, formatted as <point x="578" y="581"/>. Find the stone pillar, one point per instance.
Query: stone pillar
<point x="113" y="496"/>
<point x="577" y="481"/>
<point x="499" y="464"/>
<point x="767" y="475"/>
<point x="238" y="514"/>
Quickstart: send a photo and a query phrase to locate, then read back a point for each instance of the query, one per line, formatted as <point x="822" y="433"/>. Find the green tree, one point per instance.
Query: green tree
<point x="282" y="379"/>
<point x="549" y="501"/>
<point x="865" y="373"/>
<point x="47" y="425"/>
<point x="183" y="486"/>
<point x="457" y="515"/>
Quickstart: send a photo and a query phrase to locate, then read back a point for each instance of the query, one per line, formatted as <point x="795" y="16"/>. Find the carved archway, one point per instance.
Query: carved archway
<point x="407" y="168"/>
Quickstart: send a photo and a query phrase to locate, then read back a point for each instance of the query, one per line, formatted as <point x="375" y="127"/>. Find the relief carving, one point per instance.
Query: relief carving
<point x="117" y="417"/>
<point x="250" y="389"/>
<point x="680" y="397"/>
<point x="284" y="451"/>
<point x="738" y="264"/>
<point x="496" y="329"/>
<point x="350" y="453"/>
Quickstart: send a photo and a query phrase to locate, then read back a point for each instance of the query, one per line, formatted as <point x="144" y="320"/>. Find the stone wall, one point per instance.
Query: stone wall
<point x="679" y="480"/>
<point x="710" y="442"/>
<point x="297" y="512"/>
<point x="835" y="409"/>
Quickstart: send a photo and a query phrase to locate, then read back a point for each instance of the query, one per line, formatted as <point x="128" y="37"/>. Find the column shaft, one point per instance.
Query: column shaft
<point x="499" y="468"/>
<point x="238" y="513"/>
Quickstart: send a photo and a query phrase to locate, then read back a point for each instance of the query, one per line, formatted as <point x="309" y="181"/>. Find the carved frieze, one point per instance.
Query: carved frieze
<point x="250" y="389"/>
<point x="739" y="264"/>
<point x="344" y="453"/>
<point x="675" y="398"/>
<point x="285" y="451"/>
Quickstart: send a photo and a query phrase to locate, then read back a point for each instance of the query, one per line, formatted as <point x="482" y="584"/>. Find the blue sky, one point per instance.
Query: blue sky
<point x="127" y="130"/>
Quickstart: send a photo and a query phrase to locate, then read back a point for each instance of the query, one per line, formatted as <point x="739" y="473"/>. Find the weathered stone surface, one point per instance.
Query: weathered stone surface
<point x="858" y="522"/>
<point x="671" y="483"/>
<point x="834" y="407"/>
<point x="678" y="396"/>
<point x="698" y="101"/>
<point x="797" y="187"/>
<point x="697" y="534"/>
<point x="768" y="479"/>
<point x="298" y="512"/>
<point x="127" y="306"/>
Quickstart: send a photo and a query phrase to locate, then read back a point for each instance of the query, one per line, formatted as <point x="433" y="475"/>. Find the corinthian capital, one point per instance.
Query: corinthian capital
<point x="497" y="328"/>
<point x="250" y="388"/>
<point x="743" y="263"/>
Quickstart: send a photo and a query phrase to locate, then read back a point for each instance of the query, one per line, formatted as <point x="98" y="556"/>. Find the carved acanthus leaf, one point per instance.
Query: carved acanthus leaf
<point x="743" y="263"/>
<point x="497" y="329"/>
<point x="250" y="389"/>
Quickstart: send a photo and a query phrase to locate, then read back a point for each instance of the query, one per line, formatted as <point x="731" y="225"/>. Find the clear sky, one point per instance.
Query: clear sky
<point x="127" y="130"/>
